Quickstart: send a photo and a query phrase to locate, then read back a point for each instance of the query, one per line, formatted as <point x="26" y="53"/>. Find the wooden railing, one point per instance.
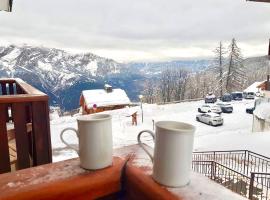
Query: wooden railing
<point x="24" y="116"/>
<point x="65" y="180"/>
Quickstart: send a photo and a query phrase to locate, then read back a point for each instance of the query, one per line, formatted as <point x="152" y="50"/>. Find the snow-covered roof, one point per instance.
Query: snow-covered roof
<point x="253" y="87"/>
<point x="262" y="111"/>
<point x="102" y="98"/>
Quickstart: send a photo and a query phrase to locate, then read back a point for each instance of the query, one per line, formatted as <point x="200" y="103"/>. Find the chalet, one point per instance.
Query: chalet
<point x="261" y="117"/>
<point x="254" y="87"/>
<point x="265" y="87"/>
<point x="99" y="100"/>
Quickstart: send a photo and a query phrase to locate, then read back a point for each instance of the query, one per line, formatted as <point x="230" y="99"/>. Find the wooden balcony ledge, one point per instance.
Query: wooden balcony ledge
<point x="25" y="139"/>
<point x="128" y="178"/>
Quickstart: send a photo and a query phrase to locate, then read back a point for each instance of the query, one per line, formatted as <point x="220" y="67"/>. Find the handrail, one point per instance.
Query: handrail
<point x="231" y="151"/>
<point x="29" y="92"/>
<point x="22" y="104"/>
<point x="22" y="98"/>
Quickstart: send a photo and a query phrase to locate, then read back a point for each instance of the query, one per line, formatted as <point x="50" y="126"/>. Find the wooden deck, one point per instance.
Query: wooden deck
<point x="26" y="109"/>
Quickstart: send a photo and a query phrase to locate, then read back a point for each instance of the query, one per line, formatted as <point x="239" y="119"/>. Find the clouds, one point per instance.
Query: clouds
<point x="138" y="30"/>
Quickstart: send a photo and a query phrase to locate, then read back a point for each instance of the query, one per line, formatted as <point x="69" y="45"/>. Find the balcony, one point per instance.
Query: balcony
<point x="128" y="178"/>
<point x="24" y="123"/>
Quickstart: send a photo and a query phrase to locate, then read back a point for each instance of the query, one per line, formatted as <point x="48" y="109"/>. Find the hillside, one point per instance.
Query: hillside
<point x="63" y="75"/>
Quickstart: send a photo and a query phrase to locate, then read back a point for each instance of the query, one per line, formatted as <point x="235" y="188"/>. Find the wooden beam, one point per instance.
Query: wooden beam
<point x="64" y="180"/>
<point x="19" y="118"/>
<point x="269" y="49"/>
<point x="265" y="1"/>
<point x="4" y="152"/>
<point x="41" y="133"/>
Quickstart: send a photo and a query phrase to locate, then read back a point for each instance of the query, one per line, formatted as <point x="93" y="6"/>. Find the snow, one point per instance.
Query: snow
<point x="92" y="67"/>
<point x="235" y="134"/>
<point x="12" y="55"/>
<point x="262" y="111"/>
<point x="45" y="66"/>
<point x="102" y="98"/>
<point x="253" y="87"/>
<point x="201" y="188"/>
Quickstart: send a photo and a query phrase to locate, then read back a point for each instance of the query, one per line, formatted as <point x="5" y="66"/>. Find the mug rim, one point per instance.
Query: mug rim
<point x="94" y="117"/>
<point x="190" y="128"/>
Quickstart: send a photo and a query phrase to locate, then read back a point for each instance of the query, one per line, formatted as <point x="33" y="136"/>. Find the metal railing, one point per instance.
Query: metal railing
<point x="242" y="161"/>
<point x="242" y="171"/>
<point x="223" y="175"/>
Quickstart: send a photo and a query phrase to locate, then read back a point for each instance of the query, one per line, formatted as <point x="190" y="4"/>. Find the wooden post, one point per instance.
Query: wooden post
<point x="4" y="152"/>
<point x="269" y="50"/>
<point x="4" y="88"/>
<point x="11" y="88"/>
<point x="41" y="133"/>
<point x="19" y="118"/>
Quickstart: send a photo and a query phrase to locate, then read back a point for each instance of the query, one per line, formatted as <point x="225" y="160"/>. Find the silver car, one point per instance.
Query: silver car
<point x="212" y="119"/>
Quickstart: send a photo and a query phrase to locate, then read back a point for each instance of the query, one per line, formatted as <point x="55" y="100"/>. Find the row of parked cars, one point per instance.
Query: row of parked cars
<point x="237" y="96"/>
<point x="211" y="113"/>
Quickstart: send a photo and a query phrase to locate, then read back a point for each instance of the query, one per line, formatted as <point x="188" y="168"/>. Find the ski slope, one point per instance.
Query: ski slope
<point x="234" y="134"/>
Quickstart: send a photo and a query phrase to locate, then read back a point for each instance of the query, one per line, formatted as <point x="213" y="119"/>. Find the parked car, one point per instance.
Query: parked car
<point x="237" y="96"/>
<point x="226" y="107"/>
<point x="249" y="95"/>
<point x="250" y="110"/>
<point x="210" y="98"/>
<point x="207" y="108"/>
<point x="212" y="119"/>
<point x="226" y="97"/>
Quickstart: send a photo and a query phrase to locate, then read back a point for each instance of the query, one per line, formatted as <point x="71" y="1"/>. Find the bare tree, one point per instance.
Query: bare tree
<point x="236" y="74"/>
<point x="219" y="62"/>
<point x="166" y="85"/>
<point x="149" y="91"/>
<point x="180" y="79"/>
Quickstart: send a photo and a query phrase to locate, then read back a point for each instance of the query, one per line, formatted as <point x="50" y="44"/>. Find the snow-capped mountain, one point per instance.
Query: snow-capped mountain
<point x="154" y="68"/>
<point x="54" y="68"/>
<point x="64" y="75"/>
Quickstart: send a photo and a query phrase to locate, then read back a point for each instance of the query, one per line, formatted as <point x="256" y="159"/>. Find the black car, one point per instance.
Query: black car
<point x="226" y="98"/>
<point x="225" y="107"/>
<point x="237" y="96"/>
<point x="250" y="110"/>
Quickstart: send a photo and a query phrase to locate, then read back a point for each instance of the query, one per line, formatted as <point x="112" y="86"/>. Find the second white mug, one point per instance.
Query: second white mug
<point x="172" y="152"/>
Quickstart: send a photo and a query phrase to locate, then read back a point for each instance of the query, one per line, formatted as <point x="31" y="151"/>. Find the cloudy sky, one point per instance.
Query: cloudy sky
<point x="138" y="30"/>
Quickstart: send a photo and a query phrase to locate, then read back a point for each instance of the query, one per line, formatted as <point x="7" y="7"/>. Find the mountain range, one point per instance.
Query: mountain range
<point x="63" y="75"/>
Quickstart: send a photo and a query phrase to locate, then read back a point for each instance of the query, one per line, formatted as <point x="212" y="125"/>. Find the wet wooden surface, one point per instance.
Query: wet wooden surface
<point x="132" y="179"/>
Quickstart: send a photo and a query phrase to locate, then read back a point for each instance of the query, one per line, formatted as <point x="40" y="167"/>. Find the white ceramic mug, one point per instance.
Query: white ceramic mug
<point x="172" y="152"/>
<point x="95" y="140"/>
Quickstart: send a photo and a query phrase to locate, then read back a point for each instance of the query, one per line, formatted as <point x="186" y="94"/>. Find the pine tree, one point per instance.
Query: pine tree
<point x="219" y="64"/>
<point x="235" y="78"/>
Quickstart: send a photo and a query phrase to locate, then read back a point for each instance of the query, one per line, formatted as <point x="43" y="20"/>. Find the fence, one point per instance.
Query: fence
<point x="242" y="161"/>
<point x="24" y="115"/>
<point x="244" y="172"/>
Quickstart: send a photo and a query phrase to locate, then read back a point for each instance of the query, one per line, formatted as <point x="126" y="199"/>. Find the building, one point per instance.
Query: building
<point x="261" y="116"/>
<point x="254" y="87"/>
<point x="265" y="87"/>
<point x="99" y="100"/>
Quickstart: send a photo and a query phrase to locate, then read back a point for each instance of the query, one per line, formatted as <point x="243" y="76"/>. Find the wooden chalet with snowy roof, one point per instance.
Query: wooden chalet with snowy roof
<point x="99" y="100"/>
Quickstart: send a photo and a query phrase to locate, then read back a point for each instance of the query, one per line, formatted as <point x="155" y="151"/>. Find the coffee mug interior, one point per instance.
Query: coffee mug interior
<point x="94" y="117"/>
<point x="176" y="126"/>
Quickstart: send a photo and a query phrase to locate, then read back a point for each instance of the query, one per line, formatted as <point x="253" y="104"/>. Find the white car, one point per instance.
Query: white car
<point x="212" y="119"/>
<point x="207" y="108"/>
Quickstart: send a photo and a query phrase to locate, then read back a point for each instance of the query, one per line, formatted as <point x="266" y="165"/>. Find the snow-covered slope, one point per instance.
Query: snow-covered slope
<point x="234" y="134"/>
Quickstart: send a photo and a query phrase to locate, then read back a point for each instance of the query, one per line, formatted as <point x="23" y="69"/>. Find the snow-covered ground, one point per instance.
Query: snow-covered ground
<point x="235" y="134"/>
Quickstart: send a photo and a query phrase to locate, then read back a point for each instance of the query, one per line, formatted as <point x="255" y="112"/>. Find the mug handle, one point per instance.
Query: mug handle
<point x="62" y="138"/>
<point x="141" y="144"/>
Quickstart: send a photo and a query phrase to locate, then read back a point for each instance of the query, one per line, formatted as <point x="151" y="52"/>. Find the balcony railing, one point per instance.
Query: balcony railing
<point x="24" y="118"/>
<point x="242" y="171"/>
